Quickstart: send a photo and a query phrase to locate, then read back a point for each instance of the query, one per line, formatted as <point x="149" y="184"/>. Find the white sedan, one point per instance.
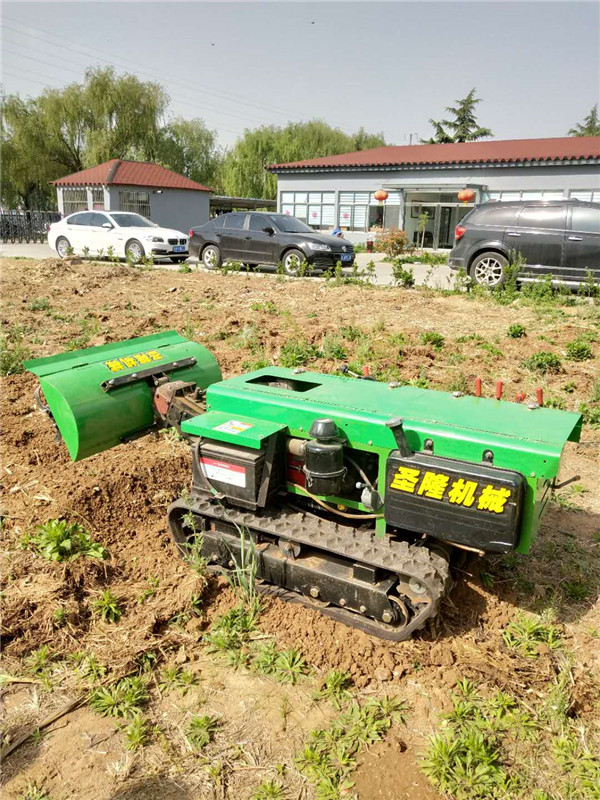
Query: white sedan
<point x="117" y="233"/>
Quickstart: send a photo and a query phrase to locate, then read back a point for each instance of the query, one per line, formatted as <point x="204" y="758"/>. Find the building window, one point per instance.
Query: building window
<point x="586" y="195"/>
<point x="534" y="194"/>
<point x="74" y="200"/>
<point x="98" y="199"/>
<point x="135" y="202"/>
<point x="317" y="209"/>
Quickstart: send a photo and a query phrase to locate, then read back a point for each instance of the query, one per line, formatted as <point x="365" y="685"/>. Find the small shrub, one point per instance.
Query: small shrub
<point x="543" y="362"/>
<point x="290" y="666"/>
<point x="40" y="304"/>
<point x="201" y="730"/>
<point x="175" y="677"/>
<point x="268" y="790"/>
<point x="107" y="606"/>
<point x="137" y="733"/>
<point x="578" y="350"/>
<point x="39" y="660"/>
<point x="184" y="268"/>
<point x="392" y="242"/>
<point x="351" y="333"/>
<point x="123" y="699"/>
<point x="58" y="540"/>
<point x="433" y="338"/>
<point x="516" y="331"/>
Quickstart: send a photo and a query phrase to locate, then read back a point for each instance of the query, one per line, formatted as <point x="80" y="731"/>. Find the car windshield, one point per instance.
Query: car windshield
<point x="289" y="224"/>
<point x="132" y="221"/>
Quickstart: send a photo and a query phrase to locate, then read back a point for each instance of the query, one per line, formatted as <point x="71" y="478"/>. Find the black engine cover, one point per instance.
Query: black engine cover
<point x="476" y="505"/>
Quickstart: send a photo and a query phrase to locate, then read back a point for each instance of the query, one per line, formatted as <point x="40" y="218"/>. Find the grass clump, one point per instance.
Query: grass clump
<point x="332" y="348"/>
<point x="579" y="350"/>
<point x="516" y="331"/>
<point x="329" y="757"/>
<point x="58" y="540"/>
<point x="526" y="633"/>
<point x="107" y="607"/>
<point x="123" y="699"/>
<point x="543" y="362"/>
<point x="297" y="353"/>
<point x="201" y="730"/>
<point x="34" y="792"/>
<point x="402" y="276"/>
<point x="437" y="340"/>
<point x="38" y="661"/>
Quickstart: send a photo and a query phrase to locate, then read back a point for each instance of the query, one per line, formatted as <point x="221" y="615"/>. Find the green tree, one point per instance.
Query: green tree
<point x="590" y="125"/>
<point x="244" y="172"/>
<point x="463" y="127"/>
<point x="187" y="146"/>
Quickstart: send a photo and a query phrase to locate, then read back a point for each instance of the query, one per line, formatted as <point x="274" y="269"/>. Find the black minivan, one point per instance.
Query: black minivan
<point x="557" y="237"/>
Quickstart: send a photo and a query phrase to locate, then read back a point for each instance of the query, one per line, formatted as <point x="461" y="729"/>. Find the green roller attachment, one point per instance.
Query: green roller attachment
<point x="102" y="396"/>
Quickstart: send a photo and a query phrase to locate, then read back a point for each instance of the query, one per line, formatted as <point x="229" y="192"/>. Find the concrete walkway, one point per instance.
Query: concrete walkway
<point x="439" y="277"/>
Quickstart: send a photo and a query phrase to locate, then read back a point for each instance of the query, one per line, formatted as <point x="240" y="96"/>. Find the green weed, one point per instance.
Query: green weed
<point x="123" y="699"/>
<point x="543" y="362"/>
<point x="174" y="677"/>
<point x="39" y="304"/>
<point x="107" y="607"/>
<point x="268" y="307"/>
<point x="579" y="350"/>
<point x="201" y="730"/>
<point x="332" y="348"/>
<point x="336" y="688"/>
<point x="34" y="792"/>
<point x="268" y="790"/>
<point x="58" y="540"/>
<point x="13" y="353"/>
<point x="515" y="331"/>
<point x="290" y="666"/>
<point x="402" y="276"/>
<point x="433" y="338"/>
<point x="526" y="633"/>
<point x="297" y="353"/>
<point x="38" y="661"/>
<point x="137" y="733"/>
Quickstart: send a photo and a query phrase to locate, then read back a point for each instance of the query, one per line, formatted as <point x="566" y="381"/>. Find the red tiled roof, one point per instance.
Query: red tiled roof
<point x="509" y="150"/>
<point x="130" y="173"/>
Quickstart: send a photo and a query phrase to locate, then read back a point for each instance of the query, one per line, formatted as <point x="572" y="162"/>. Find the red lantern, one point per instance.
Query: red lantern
<point x="466" y="195"/>
<point x="381" y="195"/>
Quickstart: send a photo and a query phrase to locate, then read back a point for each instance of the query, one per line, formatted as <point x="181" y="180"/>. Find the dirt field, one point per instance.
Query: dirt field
<point x="120" y="498"/>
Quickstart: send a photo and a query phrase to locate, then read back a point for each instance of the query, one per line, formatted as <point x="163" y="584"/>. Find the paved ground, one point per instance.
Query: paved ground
<point x="433" y="276"/>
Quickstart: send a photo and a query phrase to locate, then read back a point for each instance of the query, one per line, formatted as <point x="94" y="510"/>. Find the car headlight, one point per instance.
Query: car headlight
<point x="315" y="246"/>
<point x="157" y="239"/>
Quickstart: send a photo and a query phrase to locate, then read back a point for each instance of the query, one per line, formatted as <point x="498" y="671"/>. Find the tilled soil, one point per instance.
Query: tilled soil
<point x="120" y="496"/>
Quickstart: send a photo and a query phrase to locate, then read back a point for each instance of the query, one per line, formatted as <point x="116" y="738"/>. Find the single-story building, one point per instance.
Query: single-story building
<point x="169" y="199"/>
<point x="426" y="178"/>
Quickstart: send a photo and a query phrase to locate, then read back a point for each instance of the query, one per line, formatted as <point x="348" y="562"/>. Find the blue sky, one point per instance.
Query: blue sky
<point x="385" y="66"/>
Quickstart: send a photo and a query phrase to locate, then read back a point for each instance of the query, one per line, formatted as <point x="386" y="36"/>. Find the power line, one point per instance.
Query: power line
<point x="182" y="98"/>
<point x="227" y="96"/>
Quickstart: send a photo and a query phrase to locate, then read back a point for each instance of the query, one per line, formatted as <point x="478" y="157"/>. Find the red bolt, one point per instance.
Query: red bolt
<point x="520" y="397"/>
<point x="477" y="387"/>
<point x="499" y="386"/>
<point x="540" y="396"/>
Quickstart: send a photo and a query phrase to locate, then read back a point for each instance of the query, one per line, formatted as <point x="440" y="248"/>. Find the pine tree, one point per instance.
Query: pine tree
<point x="590" y="125"/>
<point x="463" y="128"/>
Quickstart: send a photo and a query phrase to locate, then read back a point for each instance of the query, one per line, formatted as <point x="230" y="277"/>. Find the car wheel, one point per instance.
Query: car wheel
<point x="211" y="256"/>
<point x="134" y="251"/>
<point x="489" y="269"/>
<point x="292" y="260"/>
<point x="63" y="246"/>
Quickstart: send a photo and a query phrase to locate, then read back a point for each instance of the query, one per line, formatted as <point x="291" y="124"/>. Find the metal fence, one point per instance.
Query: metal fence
<point x="26" y="226"/>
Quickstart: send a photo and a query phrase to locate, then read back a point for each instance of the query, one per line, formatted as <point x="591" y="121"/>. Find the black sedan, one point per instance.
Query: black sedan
<point x="263" y="238"/>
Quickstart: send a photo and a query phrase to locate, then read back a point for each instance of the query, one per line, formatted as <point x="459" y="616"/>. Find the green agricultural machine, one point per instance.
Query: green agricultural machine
<point x="354" y="495"/>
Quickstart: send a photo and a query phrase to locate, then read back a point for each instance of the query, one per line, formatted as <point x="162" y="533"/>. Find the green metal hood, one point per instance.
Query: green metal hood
<point x="92" y="418"/>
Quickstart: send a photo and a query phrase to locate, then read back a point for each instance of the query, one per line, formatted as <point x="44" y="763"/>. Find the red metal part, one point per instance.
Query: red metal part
<point x="499" y="387"/>
<point x="366" y="371"/>
<point x="540" y="396"/>
<point x="477" y="387"/>
<point x="520" y="397"/>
